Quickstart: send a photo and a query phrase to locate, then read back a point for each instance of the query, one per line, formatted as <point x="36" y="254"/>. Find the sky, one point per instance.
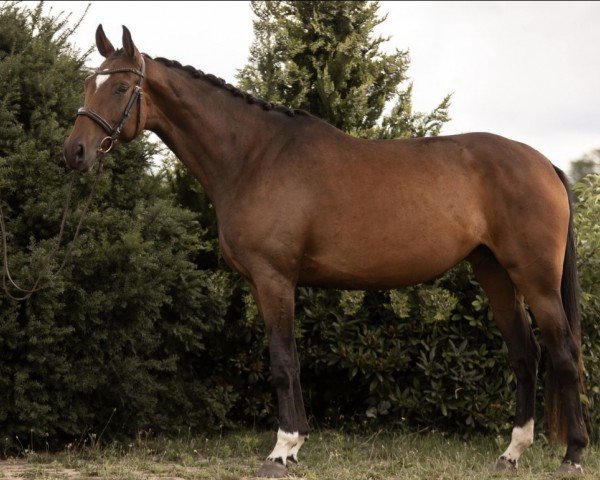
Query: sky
<point x="529" y="71"/>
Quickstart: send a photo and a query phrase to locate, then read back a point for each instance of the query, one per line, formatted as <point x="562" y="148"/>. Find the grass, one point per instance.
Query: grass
<point x="327" y="455"/>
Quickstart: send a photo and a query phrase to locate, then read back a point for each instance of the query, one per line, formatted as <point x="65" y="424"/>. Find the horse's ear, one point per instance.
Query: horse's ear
<point x="128" y="44"/>
<point x="104" y="46"/>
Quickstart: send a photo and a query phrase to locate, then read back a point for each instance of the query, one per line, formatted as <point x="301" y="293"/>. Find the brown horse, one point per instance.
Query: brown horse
<point x="299" y="202"/>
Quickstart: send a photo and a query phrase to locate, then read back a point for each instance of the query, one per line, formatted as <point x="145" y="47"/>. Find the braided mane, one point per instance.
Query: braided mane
<point x="236" y="92"/>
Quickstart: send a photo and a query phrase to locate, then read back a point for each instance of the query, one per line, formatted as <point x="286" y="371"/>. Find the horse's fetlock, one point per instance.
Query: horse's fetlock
<point x="579" y="440"/>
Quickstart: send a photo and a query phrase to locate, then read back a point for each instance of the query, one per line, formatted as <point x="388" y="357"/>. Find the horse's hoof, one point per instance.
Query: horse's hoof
<point x="271" y="469"/>
<point x="503" y="464"/>
<point x="569" y="469"/>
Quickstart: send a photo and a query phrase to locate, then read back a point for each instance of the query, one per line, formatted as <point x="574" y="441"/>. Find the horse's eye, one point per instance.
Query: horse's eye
<point x="122" y="88"/>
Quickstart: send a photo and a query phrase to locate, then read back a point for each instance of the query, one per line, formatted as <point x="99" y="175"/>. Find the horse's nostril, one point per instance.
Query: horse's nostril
<point x="79" y="153"/>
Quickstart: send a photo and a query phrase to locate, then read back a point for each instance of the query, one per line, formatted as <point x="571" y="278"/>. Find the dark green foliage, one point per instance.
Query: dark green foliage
<point x="429" y="368"/>
<point x="587" y="222"/>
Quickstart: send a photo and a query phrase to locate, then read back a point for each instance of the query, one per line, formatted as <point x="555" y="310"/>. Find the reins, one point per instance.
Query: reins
<point x="6" y="275"/>
<point x="106" y="145"/>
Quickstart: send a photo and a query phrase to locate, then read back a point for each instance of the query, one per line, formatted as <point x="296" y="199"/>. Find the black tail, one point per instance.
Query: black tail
<point x="569" y="289"/>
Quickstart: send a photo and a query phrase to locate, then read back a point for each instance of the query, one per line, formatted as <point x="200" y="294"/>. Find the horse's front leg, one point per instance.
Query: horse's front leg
<point x="274" y="295"/>
<point x="301" y="420"/>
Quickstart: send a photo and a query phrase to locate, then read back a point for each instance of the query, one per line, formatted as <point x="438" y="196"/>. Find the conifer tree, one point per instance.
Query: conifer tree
<point x="324" y="57"/>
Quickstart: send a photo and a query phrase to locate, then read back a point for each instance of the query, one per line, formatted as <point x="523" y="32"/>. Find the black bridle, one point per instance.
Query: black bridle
<point x="136" y="96"/>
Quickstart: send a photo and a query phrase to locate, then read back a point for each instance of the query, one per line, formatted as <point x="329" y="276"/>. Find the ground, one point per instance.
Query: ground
<point x="326" y="456"/>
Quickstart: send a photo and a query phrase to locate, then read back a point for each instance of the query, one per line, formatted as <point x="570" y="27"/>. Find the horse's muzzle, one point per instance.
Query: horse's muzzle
<point x="77" y="156"/>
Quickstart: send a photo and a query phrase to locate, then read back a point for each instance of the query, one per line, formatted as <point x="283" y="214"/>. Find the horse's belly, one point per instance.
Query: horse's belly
<point x="376" y="259"/>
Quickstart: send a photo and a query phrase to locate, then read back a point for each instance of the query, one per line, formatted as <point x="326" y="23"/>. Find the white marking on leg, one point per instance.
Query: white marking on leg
<point x="99" y="80"/>
<point x="285" y="442"/>
<point x="294" y="451"/>
<point x="522" y="437"/>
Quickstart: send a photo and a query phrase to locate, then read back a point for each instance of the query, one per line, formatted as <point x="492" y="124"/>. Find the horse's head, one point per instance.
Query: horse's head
<point x="113" y="108"/>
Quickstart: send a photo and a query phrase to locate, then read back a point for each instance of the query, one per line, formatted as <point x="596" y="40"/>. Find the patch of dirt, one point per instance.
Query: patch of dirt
<point x="10" y="469"/>
<point x="21" y="470"/>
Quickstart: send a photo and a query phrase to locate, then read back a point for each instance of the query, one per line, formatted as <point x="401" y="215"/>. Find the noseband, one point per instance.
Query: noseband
<point x="109" y="141"/>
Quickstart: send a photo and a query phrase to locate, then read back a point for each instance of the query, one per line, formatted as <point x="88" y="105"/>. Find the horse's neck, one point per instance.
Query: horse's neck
<point x="215" y="134"/>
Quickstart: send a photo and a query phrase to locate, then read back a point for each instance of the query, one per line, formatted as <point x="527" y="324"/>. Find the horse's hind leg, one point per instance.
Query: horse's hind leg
<point x="523" y="350"/>
<point x="541" y="288"/>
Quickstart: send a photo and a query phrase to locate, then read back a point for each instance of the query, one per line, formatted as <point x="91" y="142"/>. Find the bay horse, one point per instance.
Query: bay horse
<point x="300" y="203"/>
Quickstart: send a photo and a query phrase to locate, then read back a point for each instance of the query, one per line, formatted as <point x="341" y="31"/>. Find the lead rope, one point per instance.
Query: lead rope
<point x="36" y="286"/>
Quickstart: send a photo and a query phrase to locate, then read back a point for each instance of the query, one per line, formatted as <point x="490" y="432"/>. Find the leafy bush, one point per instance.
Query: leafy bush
<point x="587" y="223"/>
